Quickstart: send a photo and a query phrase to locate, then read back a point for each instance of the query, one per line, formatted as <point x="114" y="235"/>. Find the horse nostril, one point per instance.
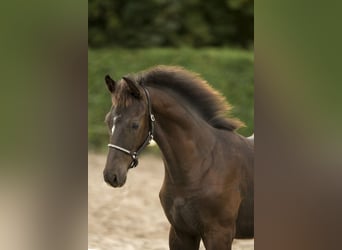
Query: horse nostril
<point x="111" y="179"/>
<point x="115" y="179"/>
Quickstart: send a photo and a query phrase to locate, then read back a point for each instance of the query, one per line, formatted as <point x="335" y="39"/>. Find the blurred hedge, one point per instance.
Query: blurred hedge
<point x="175" y="23"/>
<point x="229" y="71"/>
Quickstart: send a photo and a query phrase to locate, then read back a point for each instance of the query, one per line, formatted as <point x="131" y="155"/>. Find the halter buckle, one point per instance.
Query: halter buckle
<point x="134" y="163"/>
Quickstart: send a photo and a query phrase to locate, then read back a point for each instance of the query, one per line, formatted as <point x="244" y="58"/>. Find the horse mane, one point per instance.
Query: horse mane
<point x="209" y="103"/>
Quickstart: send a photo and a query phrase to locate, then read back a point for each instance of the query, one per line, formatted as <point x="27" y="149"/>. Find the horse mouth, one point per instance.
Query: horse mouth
<point x="114" y="185"/>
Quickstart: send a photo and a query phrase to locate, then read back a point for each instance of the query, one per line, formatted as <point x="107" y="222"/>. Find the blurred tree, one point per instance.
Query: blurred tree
<point x="150" y="23"/>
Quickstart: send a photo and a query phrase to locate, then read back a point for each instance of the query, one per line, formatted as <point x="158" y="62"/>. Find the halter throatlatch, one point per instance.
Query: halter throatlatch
<point x="134" y="154"/>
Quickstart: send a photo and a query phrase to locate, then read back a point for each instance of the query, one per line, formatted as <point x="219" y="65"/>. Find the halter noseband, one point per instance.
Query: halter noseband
<point x="134" y="154"/>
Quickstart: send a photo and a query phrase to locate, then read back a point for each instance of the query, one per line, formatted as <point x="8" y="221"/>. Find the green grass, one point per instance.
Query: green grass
<point x="230" y="71"/>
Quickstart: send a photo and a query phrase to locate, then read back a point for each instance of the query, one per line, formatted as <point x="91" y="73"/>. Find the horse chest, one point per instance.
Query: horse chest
<point x="182" y="213"/>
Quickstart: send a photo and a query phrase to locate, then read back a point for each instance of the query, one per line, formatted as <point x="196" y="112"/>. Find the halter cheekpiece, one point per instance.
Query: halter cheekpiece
<point x="134" y="154"/>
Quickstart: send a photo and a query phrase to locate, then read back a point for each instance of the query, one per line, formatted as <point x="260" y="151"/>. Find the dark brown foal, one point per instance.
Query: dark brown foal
<point x="207" y="191"/>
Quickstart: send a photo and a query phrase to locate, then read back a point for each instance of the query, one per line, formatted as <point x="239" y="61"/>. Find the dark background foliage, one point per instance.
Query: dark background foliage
<point x="175" y="23"/>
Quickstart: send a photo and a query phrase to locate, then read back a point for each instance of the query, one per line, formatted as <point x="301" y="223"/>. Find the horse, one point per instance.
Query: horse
<point x="207" y="193"/>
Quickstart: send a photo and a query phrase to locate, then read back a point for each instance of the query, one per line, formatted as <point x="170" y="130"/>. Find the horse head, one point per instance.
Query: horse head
<point x="130" y="125"/>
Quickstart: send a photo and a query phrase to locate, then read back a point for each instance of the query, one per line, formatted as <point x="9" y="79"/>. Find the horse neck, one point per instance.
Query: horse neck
<point x="184" y="138"/>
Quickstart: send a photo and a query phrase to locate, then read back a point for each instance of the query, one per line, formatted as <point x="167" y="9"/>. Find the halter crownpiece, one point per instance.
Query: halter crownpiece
<point x="134" y="154"/>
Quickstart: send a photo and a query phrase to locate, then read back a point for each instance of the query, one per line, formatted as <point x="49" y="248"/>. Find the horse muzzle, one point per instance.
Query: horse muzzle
<point x="114" y="180"/>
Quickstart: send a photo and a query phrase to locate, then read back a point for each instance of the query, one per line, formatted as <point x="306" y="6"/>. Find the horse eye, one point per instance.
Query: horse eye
<point x="135" y="125"/>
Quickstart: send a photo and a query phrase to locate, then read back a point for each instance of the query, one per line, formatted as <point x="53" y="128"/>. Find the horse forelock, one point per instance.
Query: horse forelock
<point x="209" y="103"/>
<point x="122" y="97"/>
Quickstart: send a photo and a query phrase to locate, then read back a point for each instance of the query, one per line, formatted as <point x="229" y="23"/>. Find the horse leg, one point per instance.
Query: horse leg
<point x="219" y="240"/>
<point x="180" y="240"/>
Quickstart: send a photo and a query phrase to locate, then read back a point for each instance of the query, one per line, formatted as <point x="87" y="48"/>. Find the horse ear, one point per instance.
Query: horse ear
<point x="110" y="83"/>
<point x="133" y="86"/>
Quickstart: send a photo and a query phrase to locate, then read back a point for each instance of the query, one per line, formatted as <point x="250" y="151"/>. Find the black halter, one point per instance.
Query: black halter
<point x="135" y="154"/>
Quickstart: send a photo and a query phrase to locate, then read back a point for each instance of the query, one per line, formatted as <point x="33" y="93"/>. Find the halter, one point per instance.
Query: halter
<point x="134" y="154"/>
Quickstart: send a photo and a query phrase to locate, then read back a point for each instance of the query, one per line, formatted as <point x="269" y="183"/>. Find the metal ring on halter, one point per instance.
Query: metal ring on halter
<point x="135" y="154"/>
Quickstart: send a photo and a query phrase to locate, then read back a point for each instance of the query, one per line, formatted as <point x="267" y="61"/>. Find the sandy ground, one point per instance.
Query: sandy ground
<point x="131" y="217"/>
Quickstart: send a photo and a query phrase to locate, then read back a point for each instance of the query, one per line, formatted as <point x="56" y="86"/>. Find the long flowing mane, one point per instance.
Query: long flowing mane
<point x="209" y="103"/>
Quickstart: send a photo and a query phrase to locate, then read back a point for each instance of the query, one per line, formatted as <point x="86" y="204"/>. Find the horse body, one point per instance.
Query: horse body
<point x="208" y="187"/>
<point x="207" y="191"/>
